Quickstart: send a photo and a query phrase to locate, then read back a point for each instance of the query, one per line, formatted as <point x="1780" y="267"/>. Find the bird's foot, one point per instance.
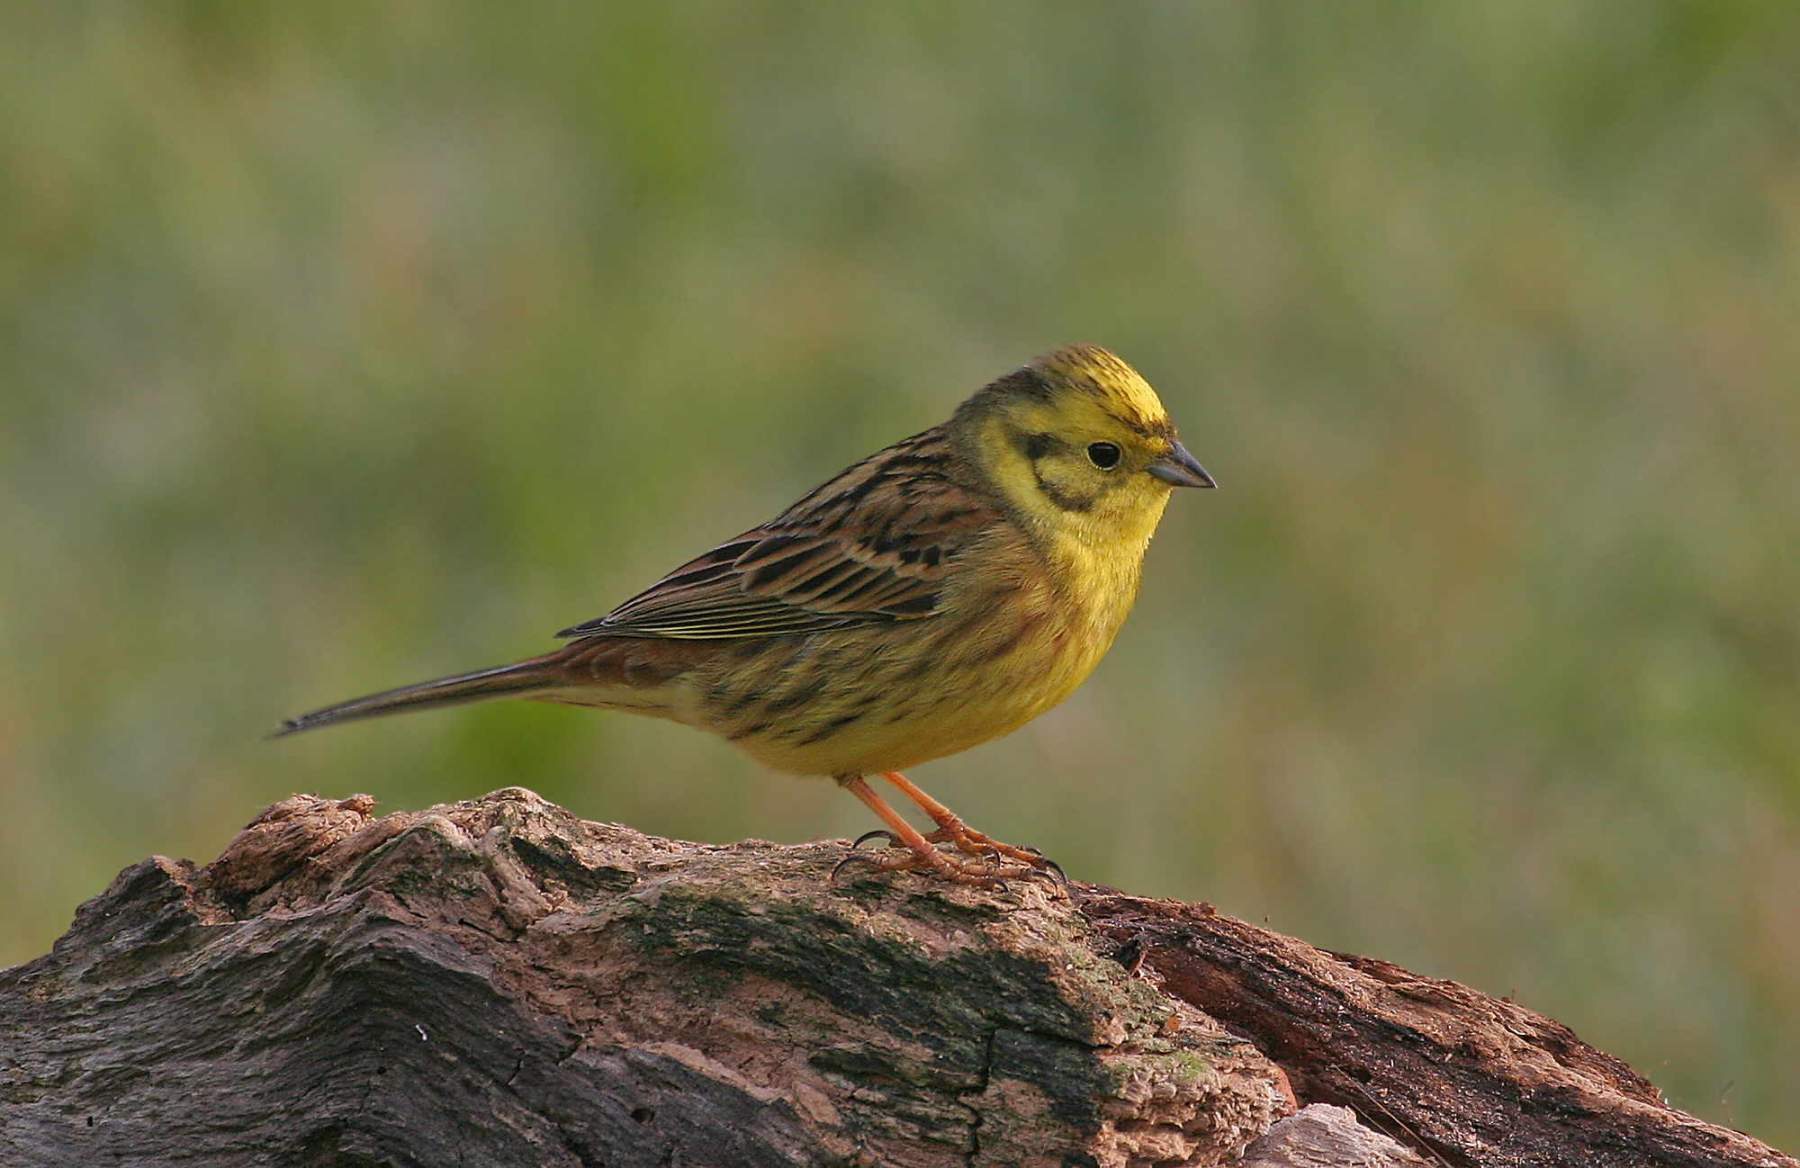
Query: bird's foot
<point x="952" y="830"/>
<point x="992" y="872"/>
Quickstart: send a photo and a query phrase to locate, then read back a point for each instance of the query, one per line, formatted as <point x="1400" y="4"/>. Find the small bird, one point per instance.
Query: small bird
<point x="938" y="594"/>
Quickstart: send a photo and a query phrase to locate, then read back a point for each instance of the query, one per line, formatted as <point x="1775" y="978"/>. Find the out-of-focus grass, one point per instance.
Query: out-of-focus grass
<point x="338" y="351"/>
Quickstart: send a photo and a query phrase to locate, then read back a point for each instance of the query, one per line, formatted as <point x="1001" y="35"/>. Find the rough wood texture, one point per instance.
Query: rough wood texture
<point x="1469" y="1078"/>
<point x="497" y="982"/>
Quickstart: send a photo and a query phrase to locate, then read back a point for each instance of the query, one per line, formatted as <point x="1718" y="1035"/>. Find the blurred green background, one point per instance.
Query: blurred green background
<point x="344" y="347"/>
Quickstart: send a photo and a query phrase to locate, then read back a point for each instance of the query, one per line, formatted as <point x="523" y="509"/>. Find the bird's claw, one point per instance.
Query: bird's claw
<point x="851" y="857"/>
<point x="997" y="863"/>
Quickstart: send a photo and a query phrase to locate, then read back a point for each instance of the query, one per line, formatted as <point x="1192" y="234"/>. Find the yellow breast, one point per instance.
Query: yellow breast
<point x="1016" y="636"/>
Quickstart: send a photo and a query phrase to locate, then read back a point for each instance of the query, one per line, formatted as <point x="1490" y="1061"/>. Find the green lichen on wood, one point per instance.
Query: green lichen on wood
<point x="997" y="1022"/>
<point x="553" y="861"/>
<point x="860" y="972"/>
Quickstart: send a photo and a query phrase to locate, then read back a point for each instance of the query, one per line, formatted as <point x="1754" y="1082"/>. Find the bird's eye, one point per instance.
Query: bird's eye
<point x="1103" y="455"/>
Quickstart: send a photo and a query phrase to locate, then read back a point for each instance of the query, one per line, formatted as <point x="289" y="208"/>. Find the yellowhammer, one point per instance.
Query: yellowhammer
<point x="940" y="593"/>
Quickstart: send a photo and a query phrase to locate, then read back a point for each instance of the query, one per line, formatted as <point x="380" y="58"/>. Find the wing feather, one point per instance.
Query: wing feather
<point x="873" y="544"/>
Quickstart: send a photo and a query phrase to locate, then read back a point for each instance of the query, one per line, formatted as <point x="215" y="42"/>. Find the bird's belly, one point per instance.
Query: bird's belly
<point x="894" y="702"/>
<point x="899" y="739"/>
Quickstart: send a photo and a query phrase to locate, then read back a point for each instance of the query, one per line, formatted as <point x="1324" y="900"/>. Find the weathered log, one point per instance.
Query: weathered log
<point x="498" y="982"/>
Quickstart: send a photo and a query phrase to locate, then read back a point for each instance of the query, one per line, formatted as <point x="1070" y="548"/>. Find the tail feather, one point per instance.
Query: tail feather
<point x="500" y="681"/>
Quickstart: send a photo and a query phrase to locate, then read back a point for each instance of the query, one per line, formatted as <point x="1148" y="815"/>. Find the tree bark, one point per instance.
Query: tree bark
<point x="498" y="982"/>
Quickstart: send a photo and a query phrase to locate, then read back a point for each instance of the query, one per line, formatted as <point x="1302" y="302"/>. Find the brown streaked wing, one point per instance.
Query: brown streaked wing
<point x="871" y="545"/>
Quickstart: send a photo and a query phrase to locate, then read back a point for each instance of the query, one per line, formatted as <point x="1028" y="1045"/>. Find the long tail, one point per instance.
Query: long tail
<point x="501" y="681"/>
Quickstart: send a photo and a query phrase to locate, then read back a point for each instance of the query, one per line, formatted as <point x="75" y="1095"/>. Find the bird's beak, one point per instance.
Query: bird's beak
<point x="1179" y="468"/>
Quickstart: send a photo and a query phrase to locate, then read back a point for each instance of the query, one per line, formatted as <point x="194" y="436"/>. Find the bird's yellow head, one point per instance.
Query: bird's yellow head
<point x="1080" y="445"/>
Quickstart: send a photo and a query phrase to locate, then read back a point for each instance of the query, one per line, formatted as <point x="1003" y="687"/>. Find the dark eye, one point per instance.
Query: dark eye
<point x="1103" y="455"/>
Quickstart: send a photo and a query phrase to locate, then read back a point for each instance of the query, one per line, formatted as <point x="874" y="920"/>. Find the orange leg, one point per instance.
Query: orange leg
<point x="951" y="828"/>
<point x="919" y="854"/>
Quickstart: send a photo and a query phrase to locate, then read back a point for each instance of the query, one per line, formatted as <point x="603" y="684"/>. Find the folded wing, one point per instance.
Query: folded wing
<point x="874" y="544"/>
